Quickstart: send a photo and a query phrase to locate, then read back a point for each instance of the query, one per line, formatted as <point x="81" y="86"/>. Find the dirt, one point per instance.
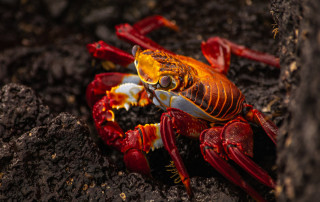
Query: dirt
<point x="42" y="47"/>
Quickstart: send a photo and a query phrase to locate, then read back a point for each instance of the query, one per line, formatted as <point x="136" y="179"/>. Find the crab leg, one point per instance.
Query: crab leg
<point x="127" y="33"/>
<point x="104" y="51"/>
<point x="237" y="140"/>
<point x="151" y="23"/>
<point x="136" y="34"/>
<point x="133" y="34"/>
<point x="213" y="153"/>
<point x="218" y="52"/>
<point x="175" y="122"/>
<point x="255" y="116"/>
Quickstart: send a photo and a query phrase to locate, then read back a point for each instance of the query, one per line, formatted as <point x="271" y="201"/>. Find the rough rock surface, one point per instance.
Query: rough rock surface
<point x="299" y="144"/>
<point x="20" y="111"/>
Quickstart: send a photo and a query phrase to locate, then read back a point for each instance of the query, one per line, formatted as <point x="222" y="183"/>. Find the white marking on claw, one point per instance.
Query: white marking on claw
<point x="131" y="90"/>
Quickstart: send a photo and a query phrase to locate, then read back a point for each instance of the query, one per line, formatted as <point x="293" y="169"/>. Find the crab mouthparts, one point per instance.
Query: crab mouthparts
<point x="150" y="90"/>
<point x="160" y="98"/>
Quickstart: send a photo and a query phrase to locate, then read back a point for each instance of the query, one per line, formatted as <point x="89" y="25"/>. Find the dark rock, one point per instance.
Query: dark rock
<point x="299" y="143"/>
<point x="57" y="73"/>
<point x="53" y="162"/>
<point x="20" y="111"/>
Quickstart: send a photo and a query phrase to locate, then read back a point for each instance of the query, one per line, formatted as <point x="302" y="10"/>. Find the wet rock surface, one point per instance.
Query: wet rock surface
<point x="46" y="149"/>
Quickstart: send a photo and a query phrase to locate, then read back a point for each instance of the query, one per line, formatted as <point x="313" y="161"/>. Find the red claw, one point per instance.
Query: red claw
<point x="104" y="82"/>
<point x="109" y="131"/>
<point x="136" y="161"/>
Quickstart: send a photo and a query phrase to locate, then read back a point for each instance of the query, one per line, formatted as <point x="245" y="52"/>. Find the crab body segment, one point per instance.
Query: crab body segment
<point x="199" y="100"/>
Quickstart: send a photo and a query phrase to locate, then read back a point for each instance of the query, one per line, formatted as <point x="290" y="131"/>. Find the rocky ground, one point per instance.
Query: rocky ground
<point x="49" y="149"/>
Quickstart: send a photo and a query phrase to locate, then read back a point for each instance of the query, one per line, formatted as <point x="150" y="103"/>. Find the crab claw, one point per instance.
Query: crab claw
<point x="136" y="161"/>
<point x="109" y="131"/>
<point x="134" y="157"/>
<point x="104" y="82"/>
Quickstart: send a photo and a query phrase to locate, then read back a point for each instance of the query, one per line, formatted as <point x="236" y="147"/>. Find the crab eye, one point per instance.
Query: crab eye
<point x="165" y="81"/>
<point x="134" y="50"/>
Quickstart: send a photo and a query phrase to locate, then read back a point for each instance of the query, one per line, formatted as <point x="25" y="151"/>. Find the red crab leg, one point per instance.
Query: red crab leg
<point x="237" y="139"/>
<point x="127" y="33"/>
<point x="136" y="34"/>
<point x="104" y="51"/>
<point x="172" y="122"/>
<point x="105" y="81"/>
<point x="218" y="51"/>
<point x="213" y="152"/>
<point x="151" y="23"/>
<point x="255" y="116"/>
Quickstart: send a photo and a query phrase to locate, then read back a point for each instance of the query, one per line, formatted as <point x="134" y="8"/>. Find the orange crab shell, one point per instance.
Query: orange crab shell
<point x="216" y="98"/>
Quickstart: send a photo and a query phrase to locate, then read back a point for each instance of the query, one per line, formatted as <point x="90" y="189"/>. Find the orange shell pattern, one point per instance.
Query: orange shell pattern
<point x="197" y="82"/>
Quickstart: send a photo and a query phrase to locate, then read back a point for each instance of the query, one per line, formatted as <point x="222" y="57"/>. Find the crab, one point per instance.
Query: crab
<point x="200" y="102"/>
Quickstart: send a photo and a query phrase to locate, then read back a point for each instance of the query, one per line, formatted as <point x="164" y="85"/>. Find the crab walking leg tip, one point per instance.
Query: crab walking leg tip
<point x="252" y="168"/>
<point x="187" y="185"/>
<point x="229" y="172"/>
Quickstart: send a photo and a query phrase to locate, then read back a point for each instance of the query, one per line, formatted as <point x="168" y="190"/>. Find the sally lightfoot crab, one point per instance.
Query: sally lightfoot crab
<point x="199" y="100"/>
